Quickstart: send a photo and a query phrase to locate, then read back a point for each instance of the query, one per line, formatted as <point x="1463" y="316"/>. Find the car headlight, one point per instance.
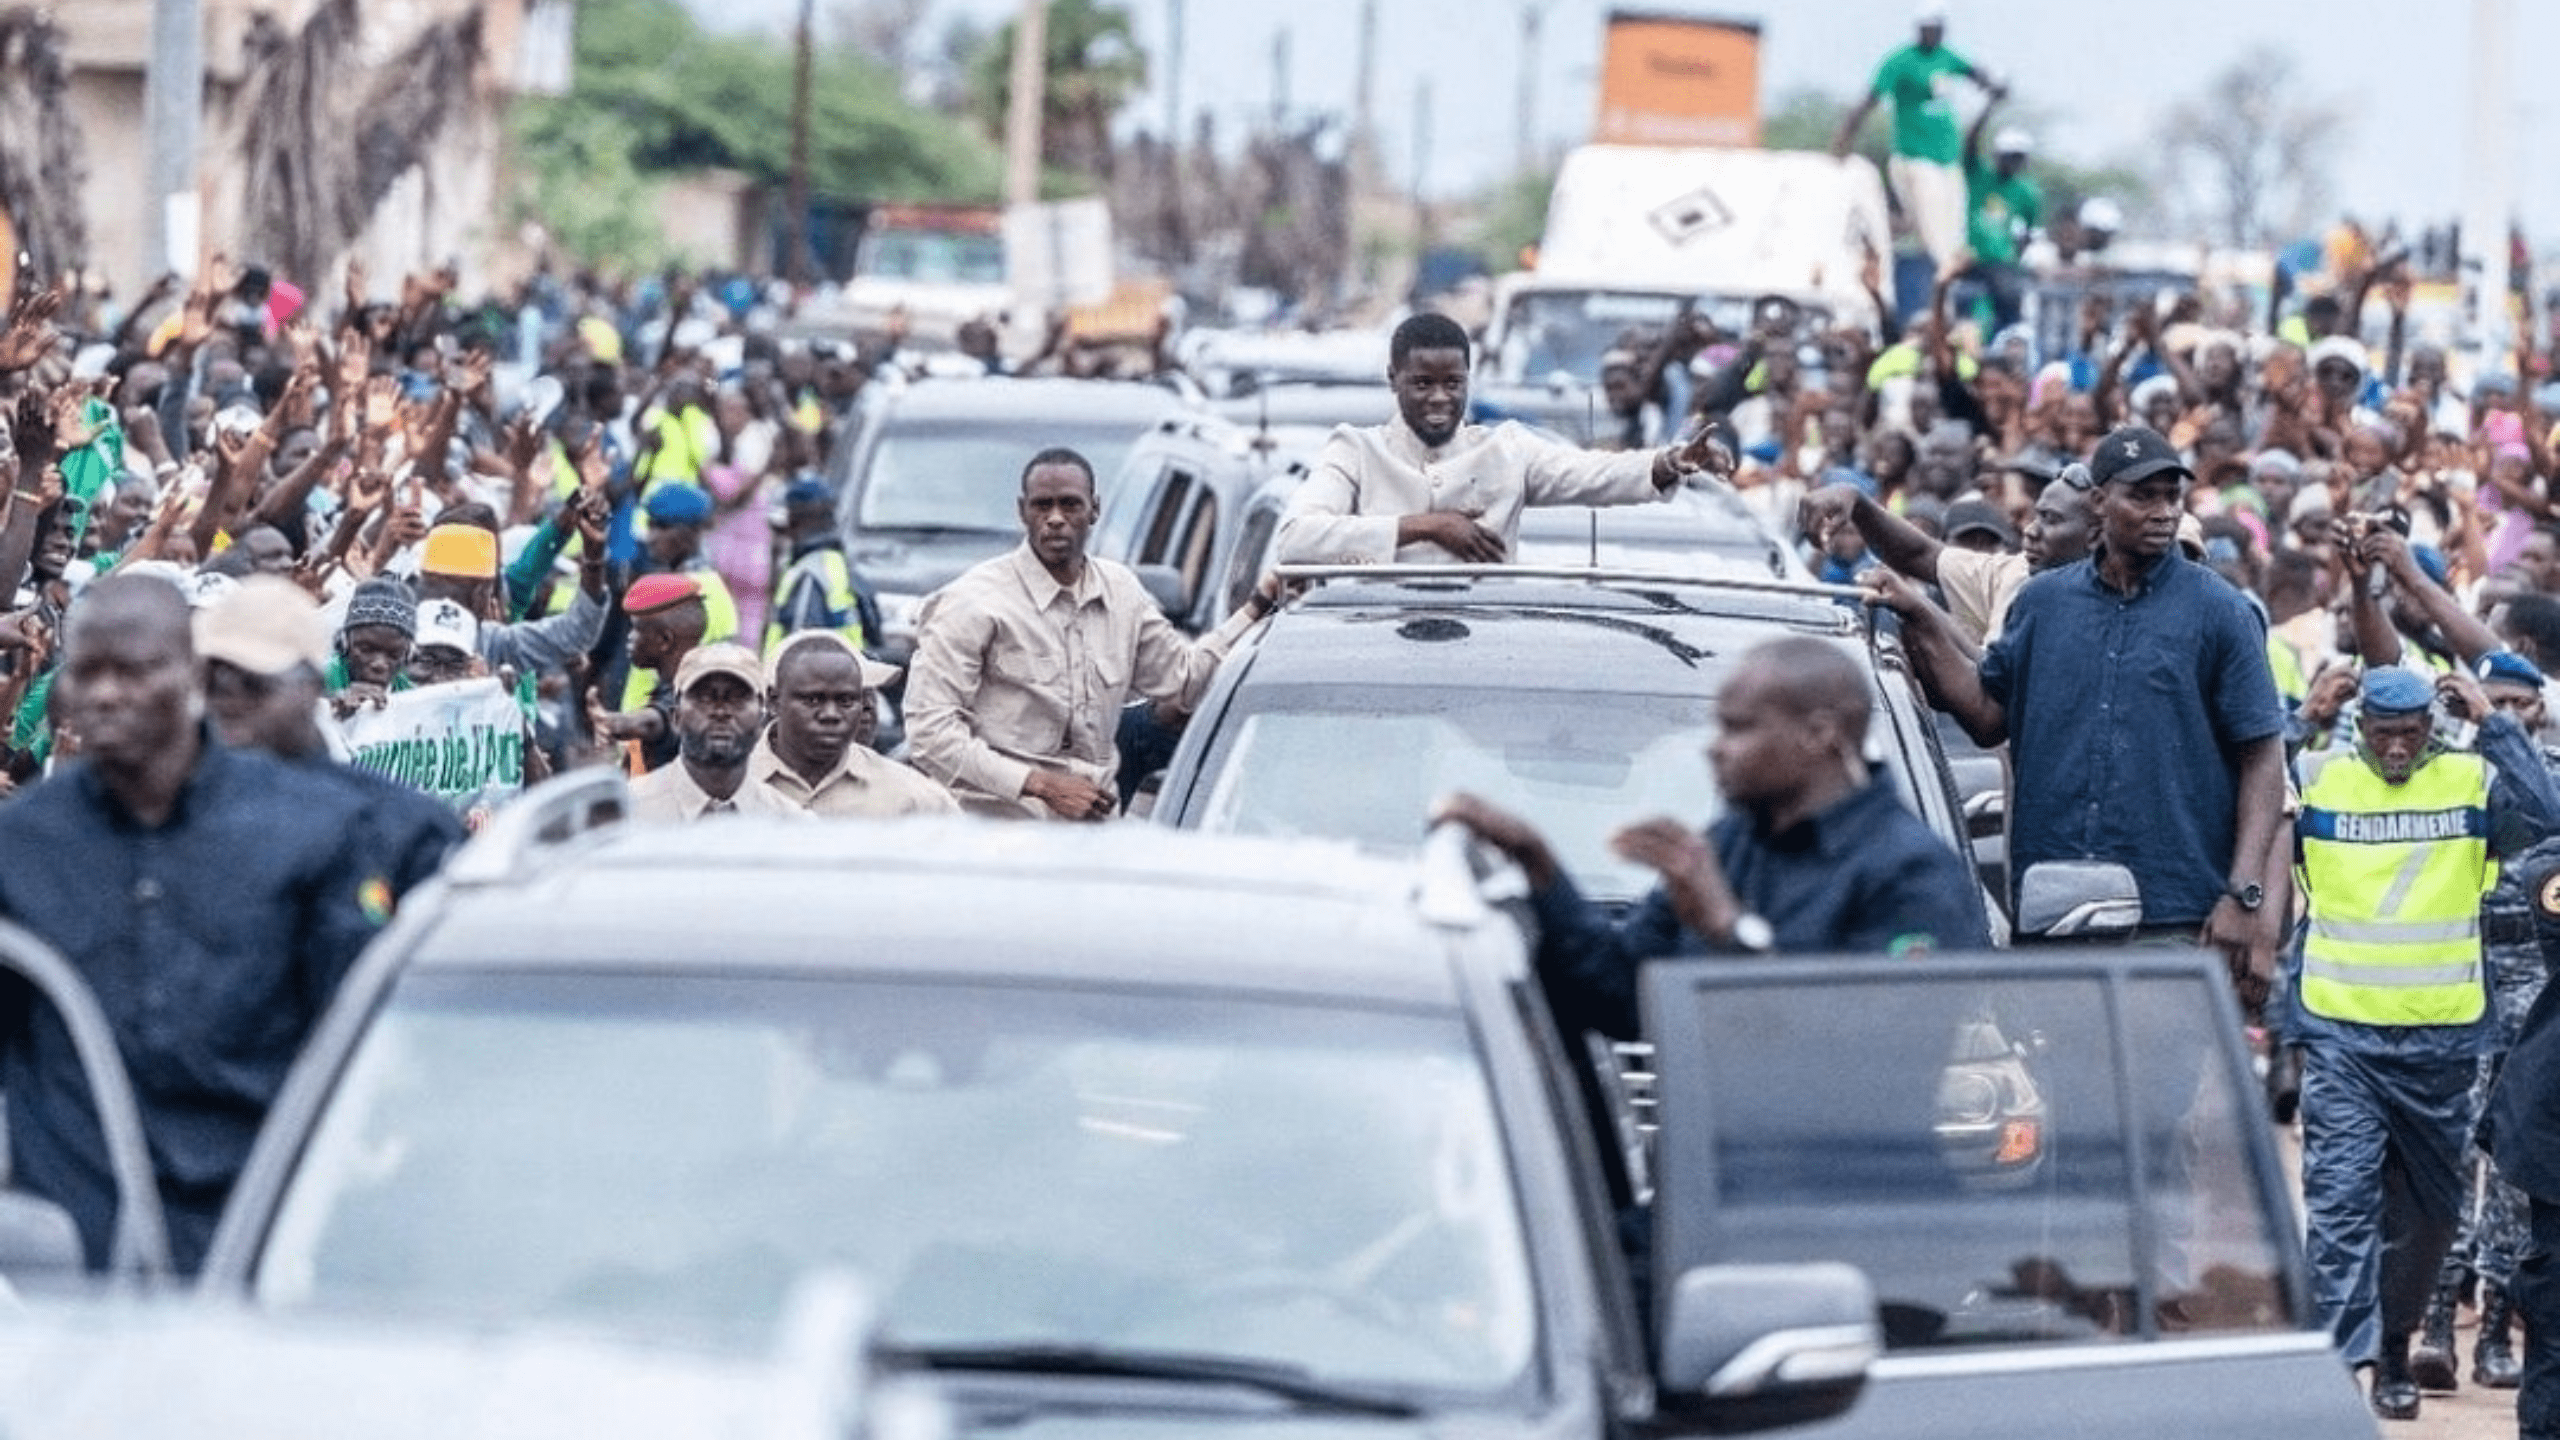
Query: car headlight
<point x="898" y="615"/>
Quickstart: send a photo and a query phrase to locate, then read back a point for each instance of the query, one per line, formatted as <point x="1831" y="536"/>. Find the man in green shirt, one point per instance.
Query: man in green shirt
<point x="1926" y="168"/>
<point x="2002" y="210"/>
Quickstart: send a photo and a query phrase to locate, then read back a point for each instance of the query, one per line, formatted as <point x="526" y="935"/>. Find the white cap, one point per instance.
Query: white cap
<point x="2011" y="141"/>
<point x="1928" y="13"/>
<point x="2100" y="212"/>
<point x="446" y="623"/>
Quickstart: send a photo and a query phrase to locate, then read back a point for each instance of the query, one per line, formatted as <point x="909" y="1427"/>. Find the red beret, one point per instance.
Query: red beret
<point x="652" y="593"/>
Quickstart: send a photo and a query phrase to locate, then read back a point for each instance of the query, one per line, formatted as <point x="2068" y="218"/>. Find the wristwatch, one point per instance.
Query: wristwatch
<point x="2251" y="895"/>
<point x="1752" y="934"/>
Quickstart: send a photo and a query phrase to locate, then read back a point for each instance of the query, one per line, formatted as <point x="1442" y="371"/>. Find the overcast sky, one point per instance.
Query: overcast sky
<point x="2101" y="71"/>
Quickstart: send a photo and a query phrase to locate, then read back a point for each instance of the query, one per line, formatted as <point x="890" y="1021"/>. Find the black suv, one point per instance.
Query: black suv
<point x="1583" y="699"/>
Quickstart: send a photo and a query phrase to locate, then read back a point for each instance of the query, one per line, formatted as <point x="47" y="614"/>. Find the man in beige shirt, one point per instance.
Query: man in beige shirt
<point x="719" y="710"/>
<point x="1978" y="585"/>
<point x="1427" y="488"/>
<point x="1022" y="664"/>
<point x="809" y="761"/>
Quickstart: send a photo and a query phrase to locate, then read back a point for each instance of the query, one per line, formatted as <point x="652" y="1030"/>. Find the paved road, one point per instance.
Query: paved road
<point x="2470" y="1413"/>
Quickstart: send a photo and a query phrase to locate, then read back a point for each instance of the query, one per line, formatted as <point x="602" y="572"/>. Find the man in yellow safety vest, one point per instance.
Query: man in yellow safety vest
<point x="2397" y="841"/>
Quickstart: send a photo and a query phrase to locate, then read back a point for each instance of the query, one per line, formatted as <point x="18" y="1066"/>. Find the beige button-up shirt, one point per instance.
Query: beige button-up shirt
<point x="670" y="795"/>
<point x="1014" y="671"/>
<point x="863" y="786"/>
<point x="1369" y="476"/>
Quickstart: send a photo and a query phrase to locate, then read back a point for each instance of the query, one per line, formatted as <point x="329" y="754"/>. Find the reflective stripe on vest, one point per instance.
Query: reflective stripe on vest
<point x="2394" y="876"/>
<point x="835" y="582"/>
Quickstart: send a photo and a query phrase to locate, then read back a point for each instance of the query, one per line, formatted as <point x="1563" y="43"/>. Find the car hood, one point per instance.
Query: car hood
<point x="1242" y="1422"/>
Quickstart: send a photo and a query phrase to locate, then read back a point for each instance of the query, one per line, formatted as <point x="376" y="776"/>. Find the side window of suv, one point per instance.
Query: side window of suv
<point x="2044" y="1159"/>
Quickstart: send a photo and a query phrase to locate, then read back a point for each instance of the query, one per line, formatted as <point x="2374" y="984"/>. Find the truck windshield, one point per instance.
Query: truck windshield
<point x="1314" y="1186"/>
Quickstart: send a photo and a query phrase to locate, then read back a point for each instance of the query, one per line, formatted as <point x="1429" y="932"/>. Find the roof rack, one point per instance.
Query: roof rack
<point x="1807" y="589"/>
<point x="547" y="816"/>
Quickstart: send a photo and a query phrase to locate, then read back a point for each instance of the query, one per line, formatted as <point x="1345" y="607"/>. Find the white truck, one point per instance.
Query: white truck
<point x="1637" y="233"/>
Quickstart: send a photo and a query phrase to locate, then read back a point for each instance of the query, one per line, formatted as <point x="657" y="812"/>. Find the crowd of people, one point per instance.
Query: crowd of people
<point x="2261" y="612"/>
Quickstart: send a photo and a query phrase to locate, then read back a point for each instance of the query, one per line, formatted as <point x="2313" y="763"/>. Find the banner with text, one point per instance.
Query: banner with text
<point x="462" y="742"/>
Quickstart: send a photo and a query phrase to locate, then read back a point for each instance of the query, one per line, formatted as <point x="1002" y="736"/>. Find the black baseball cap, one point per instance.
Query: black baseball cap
<point x="2132" y="453"/>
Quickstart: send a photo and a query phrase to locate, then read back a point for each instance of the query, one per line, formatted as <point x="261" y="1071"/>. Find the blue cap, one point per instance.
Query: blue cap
<point x="678" y="504"/>
<point x="2510" y="667"/>
<point x="2431" y="560"/>
<point x="807" y="490"/>
<point x="2396" y="690"/>
<point x="1765" y="451"/>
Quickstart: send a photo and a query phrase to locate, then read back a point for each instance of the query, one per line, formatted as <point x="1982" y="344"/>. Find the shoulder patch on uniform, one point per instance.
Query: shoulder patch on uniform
<point x="373" y="897"/>
<point x="2547" y="898"/>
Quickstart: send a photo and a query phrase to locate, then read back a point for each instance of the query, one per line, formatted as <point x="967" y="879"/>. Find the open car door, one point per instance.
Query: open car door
<point x="2048" y="1163"/>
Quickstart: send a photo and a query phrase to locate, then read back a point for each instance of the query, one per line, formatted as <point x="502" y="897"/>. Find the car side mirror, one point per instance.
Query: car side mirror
<point x="1165" y="586"/>
<point x="1768" y="1345"/>
<point x="2064" y="899"/>
<point x="38" y="1239"/>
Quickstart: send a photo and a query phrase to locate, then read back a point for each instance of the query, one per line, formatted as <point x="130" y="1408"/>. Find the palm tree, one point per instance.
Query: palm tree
<point x="1094" y="66"/>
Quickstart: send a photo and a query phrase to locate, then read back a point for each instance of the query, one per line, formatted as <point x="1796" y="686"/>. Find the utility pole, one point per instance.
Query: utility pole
<point x="173" y="103"/>
<point x="2489" y="188"/>
<point x="1364" y="118"/>
<point x="1022" y="116"/>
<point x="1173" y="73"/>
<point x="797" y="264"/>
<point x="1280" y="79"/>
<point x="1531" y="12"/>
<point x="1421" y="162"/>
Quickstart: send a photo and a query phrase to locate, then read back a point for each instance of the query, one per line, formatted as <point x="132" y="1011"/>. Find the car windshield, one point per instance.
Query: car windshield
<point x="1547" y="331"/>
<point x="1367" y="765"/>
<point x="2024" y="1161"/>
<point x="966" y="477"/>
<point x="948" y="256"/>
<point x="1315" y="1186"/>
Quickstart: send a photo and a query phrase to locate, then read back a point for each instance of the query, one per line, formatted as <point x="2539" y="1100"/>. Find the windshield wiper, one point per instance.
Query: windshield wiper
<point x="1293" y="1383"/>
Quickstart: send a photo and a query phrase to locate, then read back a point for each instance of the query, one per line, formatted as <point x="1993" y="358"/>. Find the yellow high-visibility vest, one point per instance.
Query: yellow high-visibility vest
<point x="2394" y="875"/>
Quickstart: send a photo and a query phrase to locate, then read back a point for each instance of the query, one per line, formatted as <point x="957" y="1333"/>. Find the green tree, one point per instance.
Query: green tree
<point x="1809" y="119"/>
<point x="655" y="95"/>
<point x="1093" y="66"/>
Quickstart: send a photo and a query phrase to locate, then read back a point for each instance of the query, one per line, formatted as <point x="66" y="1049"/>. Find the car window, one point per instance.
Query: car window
<point x="967" y="478"/>
<point x="1369" y="766"/>
<point x="1311" y="1185"/>
<point x="2004" y="1164"/>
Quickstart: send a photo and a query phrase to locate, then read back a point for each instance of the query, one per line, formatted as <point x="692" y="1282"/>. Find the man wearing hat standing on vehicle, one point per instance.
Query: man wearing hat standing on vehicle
<point x="2397" y="843"/>
<point x="2132" y="688"/>
<point x="1927" y="166"/>
<point x="2003" y="207"/>
<point x="719" y="714"/>
<point x="819" y="591"/>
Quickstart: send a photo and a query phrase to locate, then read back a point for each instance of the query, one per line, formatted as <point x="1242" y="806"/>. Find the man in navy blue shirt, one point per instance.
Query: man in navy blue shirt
<point x="2142" y="719"/>
<point x="1816" y="856"/>
<point x="212" y="898"/>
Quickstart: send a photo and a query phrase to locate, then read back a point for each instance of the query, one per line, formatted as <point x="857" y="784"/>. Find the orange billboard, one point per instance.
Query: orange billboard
<point x="1679" y="80"/>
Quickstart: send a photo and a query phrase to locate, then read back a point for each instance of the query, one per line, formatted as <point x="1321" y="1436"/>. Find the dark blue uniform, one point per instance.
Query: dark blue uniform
<point x="213" y="942"/>
<point x="1863" y="876"/>
<point x="2521" y="1129"/>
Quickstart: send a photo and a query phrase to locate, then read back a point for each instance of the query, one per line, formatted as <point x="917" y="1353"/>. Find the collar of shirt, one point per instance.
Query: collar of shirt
<point x="765" y="766"/>
<point x="213" y="765"/>
<point x="2145" y="580"/>
<point x="1407" y="446"/>
<point x="1829" y="833"/>
<point x="1044" y="589"/>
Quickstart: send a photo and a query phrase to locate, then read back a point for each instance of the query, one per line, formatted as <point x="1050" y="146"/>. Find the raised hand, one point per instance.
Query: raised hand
<point x="30" y="336"/>
<point x="381" y="402"/>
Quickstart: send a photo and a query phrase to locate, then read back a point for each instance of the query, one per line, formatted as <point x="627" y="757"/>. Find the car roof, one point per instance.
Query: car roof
<point x="1533" y="629"/>
<point x="998" y="399"/>
<point x="1119" y="905"/>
